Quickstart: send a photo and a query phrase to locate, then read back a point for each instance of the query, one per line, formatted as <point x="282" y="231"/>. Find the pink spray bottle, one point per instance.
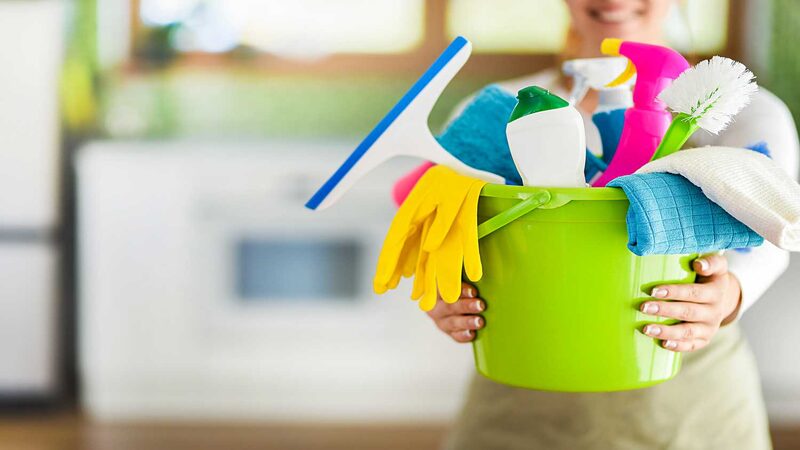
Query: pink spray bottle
<point x="648" y="120"/>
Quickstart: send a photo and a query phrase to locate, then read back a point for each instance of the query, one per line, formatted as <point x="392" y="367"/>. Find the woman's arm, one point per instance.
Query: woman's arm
<point x="767" y="120"/>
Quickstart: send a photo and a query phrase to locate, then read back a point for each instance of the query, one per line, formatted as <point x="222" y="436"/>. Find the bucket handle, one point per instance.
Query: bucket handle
<point x="532" y="202"/>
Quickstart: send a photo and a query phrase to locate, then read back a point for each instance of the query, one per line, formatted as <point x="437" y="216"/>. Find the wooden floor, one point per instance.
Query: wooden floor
<point x="70" y="432"/>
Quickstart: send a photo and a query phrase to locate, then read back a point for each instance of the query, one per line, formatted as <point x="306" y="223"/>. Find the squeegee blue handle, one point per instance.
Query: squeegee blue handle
<point x="440" y="63"/>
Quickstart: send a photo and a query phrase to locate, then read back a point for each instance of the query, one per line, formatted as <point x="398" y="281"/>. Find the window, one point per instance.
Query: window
<point x="315" y="29"/>
<point x="395" y="35"/>
<point x="510" y="26"/>
<point x="700" y="26"/>
<point x="353" y="67"/>
<point x="299" y="28"/>
<point x="513" y="26"/>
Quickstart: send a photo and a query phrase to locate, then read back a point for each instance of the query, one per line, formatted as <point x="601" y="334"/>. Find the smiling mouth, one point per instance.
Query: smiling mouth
<point x="614" y="17"/>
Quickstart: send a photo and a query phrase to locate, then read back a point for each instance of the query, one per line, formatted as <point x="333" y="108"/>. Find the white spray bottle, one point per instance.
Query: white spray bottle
<point x="609" y="117"/>
<point x="547" y="140"/>
<point x="592" y="73"/>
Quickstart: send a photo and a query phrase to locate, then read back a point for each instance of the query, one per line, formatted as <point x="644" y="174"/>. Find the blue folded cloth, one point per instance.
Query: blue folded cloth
<point x="668" y="215"/>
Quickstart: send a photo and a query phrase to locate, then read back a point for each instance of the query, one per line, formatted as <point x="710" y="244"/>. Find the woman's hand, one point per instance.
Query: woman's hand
<point x="460" y="320"/>
<point x="702" y="307"/>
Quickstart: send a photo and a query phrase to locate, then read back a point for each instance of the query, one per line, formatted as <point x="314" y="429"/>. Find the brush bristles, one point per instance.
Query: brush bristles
<point x="712" y="92"/>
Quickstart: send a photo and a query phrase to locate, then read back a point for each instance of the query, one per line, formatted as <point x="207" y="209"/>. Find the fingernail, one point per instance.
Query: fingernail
<point x="650" y="308"/>
<point x="467" y="334"/>
<point x="703" y="264"/>
<point x="477" y="306"/>
<point x="470" y="292"/>
<point x="652" y="330"/>
<point x="476" y="322"/>
<point x="659" y="293"/>
<point x="671" y="344"/>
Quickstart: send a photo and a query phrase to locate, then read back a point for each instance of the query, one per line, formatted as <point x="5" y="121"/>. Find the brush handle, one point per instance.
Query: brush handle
<point x="680" y="130"/>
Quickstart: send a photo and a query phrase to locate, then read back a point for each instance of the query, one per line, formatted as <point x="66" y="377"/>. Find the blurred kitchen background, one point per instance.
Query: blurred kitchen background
<point x="162" y="285"/>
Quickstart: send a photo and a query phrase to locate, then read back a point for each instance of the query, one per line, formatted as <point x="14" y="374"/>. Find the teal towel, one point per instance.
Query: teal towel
<point x="477" y="136"/>
<point x="668" y="215"/>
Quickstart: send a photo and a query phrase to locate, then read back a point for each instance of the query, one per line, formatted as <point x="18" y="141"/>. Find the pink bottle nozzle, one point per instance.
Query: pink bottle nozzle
<point x="648" y="120"/>
<point x="656" y="67"/>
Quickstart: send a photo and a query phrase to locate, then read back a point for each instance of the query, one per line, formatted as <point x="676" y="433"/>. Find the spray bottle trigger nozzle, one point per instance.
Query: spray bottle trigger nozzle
<point x="630" y="71"/>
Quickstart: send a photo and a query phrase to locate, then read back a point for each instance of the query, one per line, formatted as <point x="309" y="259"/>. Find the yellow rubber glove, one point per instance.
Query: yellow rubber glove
<point x="408" y="258"/>
<point x="441" y="192"/>
<point x="406" y="227"/>
<point x="460" y="247"/>
<point x="433" y="234"/>
<point x="421" y="281"/>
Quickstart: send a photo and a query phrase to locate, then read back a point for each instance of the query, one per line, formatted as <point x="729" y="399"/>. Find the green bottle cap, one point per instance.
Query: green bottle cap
<point x="534" y="99"/>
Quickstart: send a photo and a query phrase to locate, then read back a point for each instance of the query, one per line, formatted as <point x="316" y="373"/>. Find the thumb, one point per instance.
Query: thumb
<point x="710" y="265"/>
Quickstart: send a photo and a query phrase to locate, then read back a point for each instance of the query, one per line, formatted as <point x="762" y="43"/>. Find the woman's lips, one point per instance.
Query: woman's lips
<point x="614" y="16"/>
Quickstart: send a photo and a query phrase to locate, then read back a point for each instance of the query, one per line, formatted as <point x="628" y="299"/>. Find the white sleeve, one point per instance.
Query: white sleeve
<point x="757" y="270"/>
<point x="767" y="120"/>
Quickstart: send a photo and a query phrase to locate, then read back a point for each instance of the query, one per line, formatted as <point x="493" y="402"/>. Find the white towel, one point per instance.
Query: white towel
<point x="746" y="184"/>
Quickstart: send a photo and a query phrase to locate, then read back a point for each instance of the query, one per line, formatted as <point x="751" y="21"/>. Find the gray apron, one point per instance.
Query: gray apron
<point x="714" y="402"/>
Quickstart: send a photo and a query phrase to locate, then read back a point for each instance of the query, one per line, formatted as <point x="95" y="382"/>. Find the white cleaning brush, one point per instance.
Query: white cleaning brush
<point x="705" y="96"/>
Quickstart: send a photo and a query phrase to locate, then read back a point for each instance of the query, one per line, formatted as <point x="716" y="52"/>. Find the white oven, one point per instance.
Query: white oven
<point x="207" y="290"/>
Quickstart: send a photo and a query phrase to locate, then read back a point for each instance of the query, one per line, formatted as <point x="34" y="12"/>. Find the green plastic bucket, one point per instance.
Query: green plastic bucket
<point x="563" y="292"/>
